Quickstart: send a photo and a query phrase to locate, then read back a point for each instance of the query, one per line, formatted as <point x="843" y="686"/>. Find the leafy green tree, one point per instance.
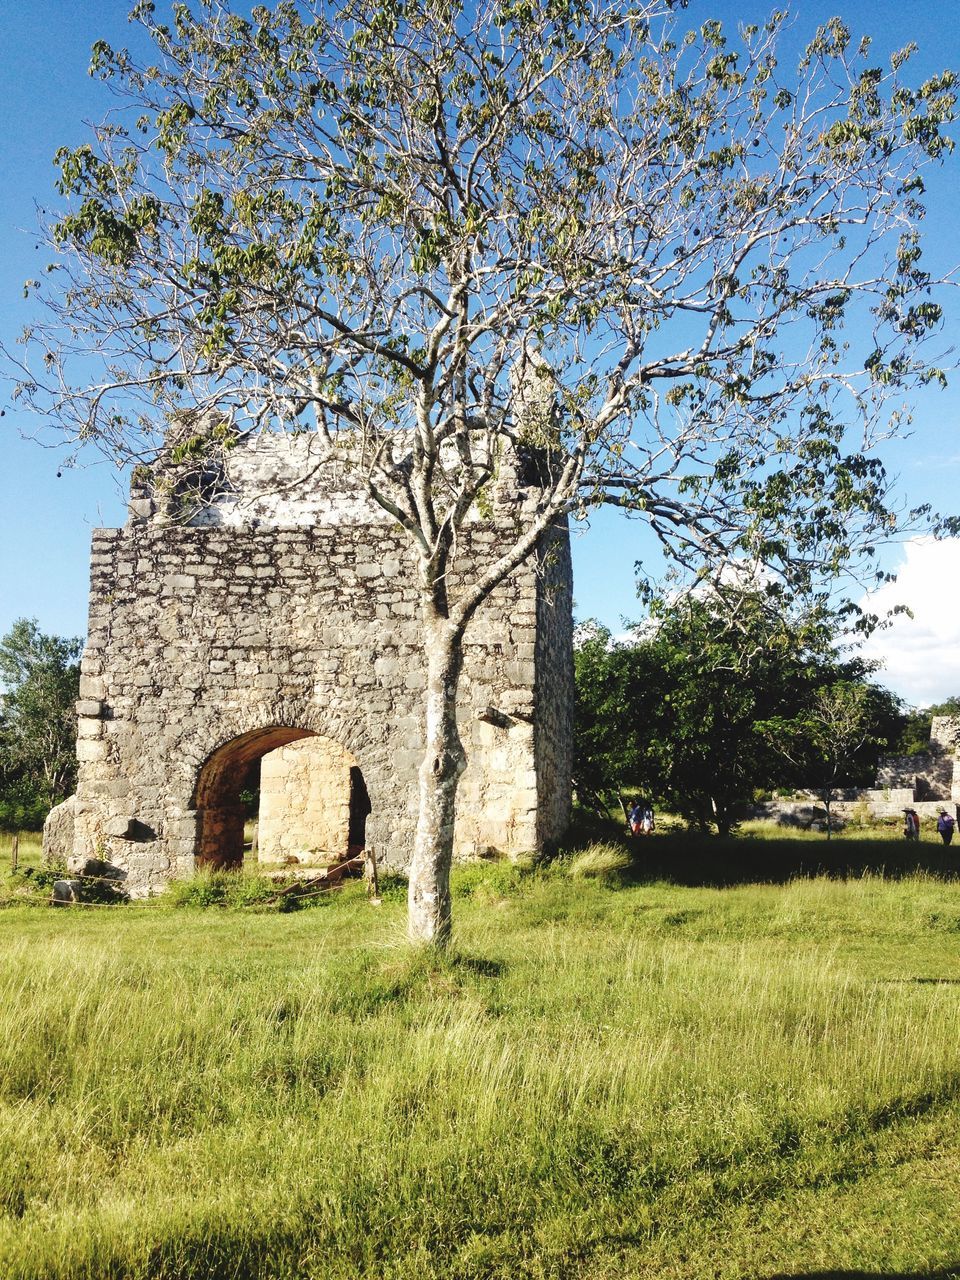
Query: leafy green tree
<point x="728" y="663"/>
<point x="732" y="661"/>
<point x="835" y="739"/>
<point x="619" y="686"/>
<point x="40" y="677"/>
<point x="677" y="712"/>
<point x="670" y="267"/>
<point x="722" y="696"/>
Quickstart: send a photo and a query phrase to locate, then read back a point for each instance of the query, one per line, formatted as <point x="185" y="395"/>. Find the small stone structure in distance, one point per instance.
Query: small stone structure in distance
<point x="258" y="620"/>
<point x="928" y="783"/>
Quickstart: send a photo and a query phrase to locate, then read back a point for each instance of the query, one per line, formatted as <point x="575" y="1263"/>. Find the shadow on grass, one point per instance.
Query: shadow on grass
<point x="426" y="964"/>
<point x="950" y="1274"/>
<point x="938" y="982"/>
<point x="694" y="860"/>
<point x="484" y="968"/>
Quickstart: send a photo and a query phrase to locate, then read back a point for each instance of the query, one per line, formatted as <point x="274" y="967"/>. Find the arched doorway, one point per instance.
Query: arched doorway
<point x="306" y="791"/>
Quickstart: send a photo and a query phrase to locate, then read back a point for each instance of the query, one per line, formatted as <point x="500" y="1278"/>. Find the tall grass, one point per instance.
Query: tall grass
<point x="609" y="1078"/>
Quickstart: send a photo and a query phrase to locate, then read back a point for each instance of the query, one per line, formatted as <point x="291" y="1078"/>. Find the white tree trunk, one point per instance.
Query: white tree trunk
<point x="429" y="919"/>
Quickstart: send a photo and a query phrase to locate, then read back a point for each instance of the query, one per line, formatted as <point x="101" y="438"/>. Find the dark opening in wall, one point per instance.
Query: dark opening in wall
<point x="359" y="810"/>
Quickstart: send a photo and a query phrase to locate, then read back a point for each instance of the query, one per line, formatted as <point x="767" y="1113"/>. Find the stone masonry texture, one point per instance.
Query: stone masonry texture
<point x="283" y="612"/>
<point x="305" y="790"/>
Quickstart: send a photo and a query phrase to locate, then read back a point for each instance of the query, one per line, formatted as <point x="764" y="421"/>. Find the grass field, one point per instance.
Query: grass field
<point x="29" y="850"/>
<point x="674" y="1070"/>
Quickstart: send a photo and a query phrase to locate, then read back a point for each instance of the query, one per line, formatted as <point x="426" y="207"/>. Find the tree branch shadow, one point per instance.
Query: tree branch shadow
<point x="696" y="861"/>
<point x="951" y="1273"/>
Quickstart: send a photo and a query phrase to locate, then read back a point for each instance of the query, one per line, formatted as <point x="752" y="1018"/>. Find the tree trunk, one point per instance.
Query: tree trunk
<point x="721" y="817"/>
<point x="429" y="918"/>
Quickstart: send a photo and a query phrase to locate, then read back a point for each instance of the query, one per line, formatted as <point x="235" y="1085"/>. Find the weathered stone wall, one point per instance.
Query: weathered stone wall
<point x="270" y="481"/>
<point x="58" y="831"/>
<point x="945" y="733"/>
<point x="930" y="777"/>
<point x="887" y="802"/>
<point x="281" y="481"/>
<point x="210" y="645"/>
<point x="810" y="811"/>
<point x="305" y="802"/>
<point x="900" y="771"/>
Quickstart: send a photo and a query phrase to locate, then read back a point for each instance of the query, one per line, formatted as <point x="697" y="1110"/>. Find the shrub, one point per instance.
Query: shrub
<point x="491" y="879"/>
<point x="392" y="886"/>
<point x="251" y="891"/>
<point x="600" y="861"/>
<point x="205" y="889"/>
<point x="46" y="876"/>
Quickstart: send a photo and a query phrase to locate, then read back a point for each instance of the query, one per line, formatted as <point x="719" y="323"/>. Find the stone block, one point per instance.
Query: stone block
<point x="58" y="831"/>
<point x="66" y="892"/>
<point x="126" y="828"/>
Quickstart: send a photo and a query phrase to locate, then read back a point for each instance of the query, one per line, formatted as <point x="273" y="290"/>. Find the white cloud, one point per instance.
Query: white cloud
<point x="921" y="655"/>
<point x="935" y="462"/>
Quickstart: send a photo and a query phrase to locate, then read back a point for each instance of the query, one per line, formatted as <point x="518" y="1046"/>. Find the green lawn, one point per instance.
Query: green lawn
<point x="29" y="851"/>
<point x="674" y="1072"/>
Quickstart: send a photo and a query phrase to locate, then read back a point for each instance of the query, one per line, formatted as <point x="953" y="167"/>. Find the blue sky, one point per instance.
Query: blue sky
<point x="45" y="519"/>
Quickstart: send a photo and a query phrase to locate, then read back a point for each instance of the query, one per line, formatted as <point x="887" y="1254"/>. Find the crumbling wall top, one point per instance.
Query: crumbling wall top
<point x="219" y="477"/>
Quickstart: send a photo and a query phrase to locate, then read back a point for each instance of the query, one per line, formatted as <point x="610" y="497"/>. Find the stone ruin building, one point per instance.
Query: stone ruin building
<point x="927" y="783"/>
<point x="272" y="638"/>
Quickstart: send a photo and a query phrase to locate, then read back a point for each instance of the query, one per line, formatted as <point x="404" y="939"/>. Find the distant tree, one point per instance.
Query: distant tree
<point x="39" y="676"/>
<point x="619" y="687"/>
<point x="834" y="740"/>
<point x="675" y="712"/>
<point x="679" y="275"/>
<point x="914" y="736"/>
<point x="722" y="695"/>
<point x="729" y="661"/>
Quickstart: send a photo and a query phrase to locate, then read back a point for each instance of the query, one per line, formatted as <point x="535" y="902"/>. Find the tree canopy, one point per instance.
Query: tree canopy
<point x="39" y="679"/>
<point x="684" y="274"/>
<point x="720" y="696"/>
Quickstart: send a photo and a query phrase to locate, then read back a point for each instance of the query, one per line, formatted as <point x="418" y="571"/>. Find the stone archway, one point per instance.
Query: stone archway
<point x="216" y="797"/>
<point x="313" y="799"/>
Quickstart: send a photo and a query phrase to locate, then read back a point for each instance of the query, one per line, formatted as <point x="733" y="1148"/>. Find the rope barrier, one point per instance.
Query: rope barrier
<point x="32" y="900"/>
